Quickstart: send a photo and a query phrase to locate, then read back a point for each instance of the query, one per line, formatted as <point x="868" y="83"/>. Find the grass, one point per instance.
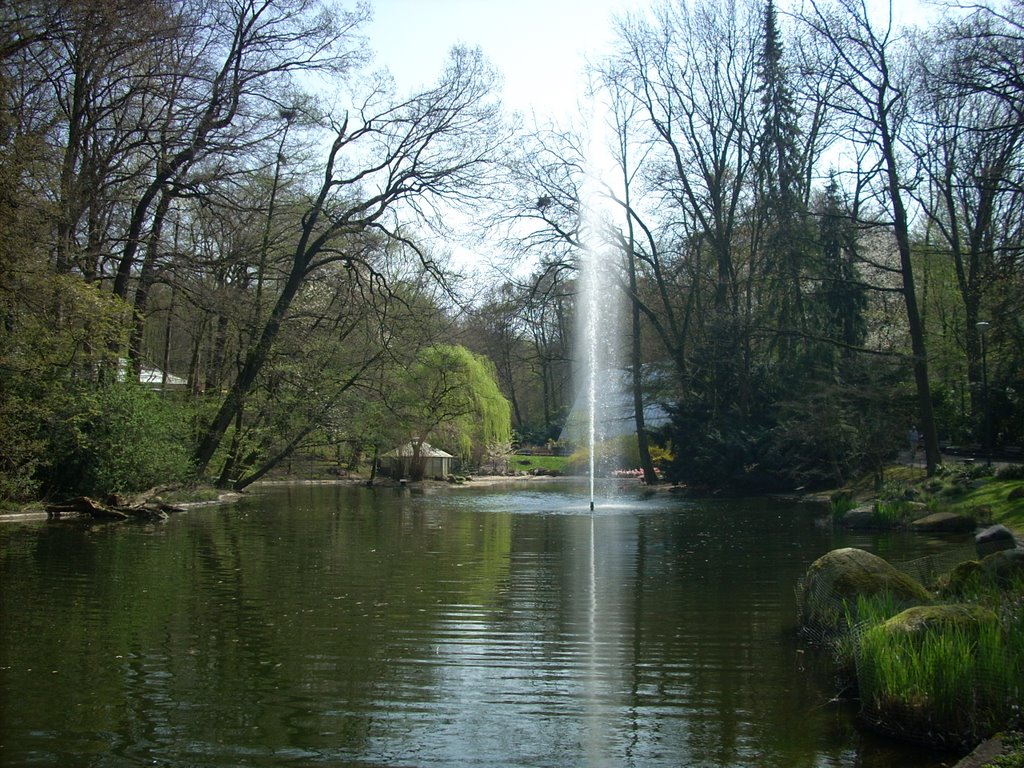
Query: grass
<point x="891" y="512"/>
<point x="962" y="681"/>
<point x="841" y="504"/>
<point x="994" y="495"/>
<point x="969" y="490"/>
<point x="521" y="463"/>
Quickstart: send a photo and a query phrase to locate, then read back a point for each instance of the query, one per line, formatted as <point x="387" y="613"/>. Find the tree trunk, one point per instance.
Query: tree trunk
<point x="916" y="327"/>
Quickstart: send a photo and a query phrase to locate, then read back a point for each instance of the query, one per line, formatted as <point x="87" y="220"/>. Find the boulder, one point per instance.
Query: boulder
<point x="1003" y="568"/>
<point x="1000" y="569"/>
<point x="833" y="583"/>
<point x="860" y="517"/>
<point x="964" y="579"/>
<point x="921" y="618"/>
<point x="943" y="522"/>
<point x="930" y="696"/>
<point x="994" y="539"/>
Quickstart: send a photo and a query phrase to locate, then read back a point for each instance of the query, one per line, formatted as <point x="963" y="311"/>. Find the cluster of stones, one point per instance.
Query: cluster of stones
<point x="920" y="519"/>
<point x="834" y="581"/>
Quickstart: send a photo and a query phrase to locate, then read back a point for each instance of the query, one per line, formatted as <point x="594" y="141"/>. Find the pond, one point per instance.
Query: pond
<point x="501" y="625"/>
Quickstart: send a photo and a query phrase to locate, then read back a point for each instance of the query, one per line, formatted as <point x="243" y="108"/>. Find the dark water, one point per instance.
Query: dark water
<point x="322" y="625"/>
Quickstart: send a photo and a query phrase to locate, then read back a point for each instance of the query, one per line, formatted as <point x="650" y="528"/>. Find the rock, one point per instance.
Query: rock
<point x="994" y="539"/>
<point x="1000" y="569"/>
<point x="917" y="641"/>
<point x="834" y="581"/>
<point x="860" y="518"/>
<point x="1003" y="568"/>
<point x="921" y="618"/>
<point x="943" y="522"/>
<point x="964" y="579"/>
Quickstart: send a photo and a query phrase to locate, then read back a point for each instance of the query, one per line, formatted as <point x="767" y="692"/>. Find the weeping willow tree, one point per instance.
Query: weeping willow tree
<point x="450" y="398"/>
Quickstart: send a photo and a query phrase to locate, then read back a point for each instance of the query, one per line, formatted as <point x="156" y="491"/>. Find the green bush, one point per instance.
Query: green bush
<point x="117" y="439"/>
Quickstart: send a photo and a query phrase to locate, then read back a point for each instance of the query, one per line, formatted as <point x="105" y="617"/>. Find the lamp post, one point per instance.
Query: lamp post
<point x="982" y="327"/>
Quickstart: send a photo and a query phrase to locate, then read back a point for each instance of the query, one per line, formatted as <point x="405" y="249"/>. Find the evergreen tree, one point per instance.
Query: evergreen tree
<point x="843" y="297"/>
<point x="782" y="209"/>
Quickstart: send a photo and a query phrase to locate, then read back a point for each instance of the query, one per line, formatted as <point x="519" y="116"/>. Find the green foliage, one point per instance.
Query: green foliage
<point x="1013" y="757"/>
<point x="840" y="504"/>
<point x="120" y="438"/>
<point x="891" y="512"/>
<point x="56" y="333"/>
<point x="621" y="452"/>
<point x="960" y="681"/>
<point x="450" y="397"/>
<point x="521" y="463"/>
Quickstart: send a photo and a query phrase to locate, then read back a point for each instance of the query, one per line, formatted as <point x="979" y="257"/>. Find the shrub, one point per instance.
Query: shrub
<point x="118" y="439"/>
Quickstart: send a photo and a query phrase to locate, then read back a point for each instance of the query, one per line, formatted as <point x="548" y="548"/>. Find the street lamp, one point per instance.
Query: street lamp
<point x="982" y="327"/>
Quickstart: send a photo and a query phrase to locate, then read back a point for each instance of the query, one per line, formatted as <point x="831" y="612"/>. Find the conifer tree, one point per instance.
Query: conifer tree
<point x="782" y="209"/>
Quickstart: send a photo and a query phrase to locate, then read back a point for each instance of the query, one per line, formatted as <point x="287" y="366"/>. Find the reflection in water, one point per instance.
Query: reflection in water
<point x="344" y="626"/>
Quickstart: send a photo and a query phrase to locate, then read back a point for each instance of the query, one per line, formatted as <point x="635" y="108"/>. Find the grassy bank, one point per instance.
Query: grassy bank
<point x="986" y="495"/>
<point x="522" y="463"/>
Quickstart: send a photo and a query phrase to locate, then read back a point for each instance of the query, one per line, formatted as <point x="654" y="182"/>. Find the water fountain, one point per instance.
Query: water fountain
<point x="598" y="308"/>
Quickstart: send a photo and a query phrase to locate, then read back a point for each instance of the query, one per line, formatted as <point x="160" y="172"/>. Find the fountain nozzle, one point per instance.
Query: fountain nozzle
<point x="591" y="506"/>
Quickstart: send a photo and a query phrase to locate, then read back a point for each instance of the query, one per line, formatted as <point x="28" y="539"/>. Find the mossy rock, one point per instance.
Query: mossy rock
<point x="943" y="522"/>
<point x="1001" y="570"/>
<point x="966" y="617"/>
<point x="964" y="579"/>
<point x="916" y="678"/>
<point x="860" y="518"/>
<point x="834" y="581"/>
<point x="1004" y="568"/>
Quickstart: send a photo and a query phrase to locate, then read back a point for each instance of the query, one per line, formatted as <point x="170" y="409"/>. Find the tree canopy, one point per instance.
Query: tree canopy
<point x="218" y="216"/>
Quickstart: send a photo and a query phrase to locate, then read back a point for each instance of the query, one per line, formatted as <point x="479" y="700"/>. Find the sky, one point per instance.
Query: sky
<point x="540" y="46"/>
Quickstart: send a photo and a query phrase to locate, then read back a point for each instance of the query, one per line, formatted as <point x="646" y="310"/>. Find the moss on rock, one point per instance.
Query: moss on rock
<point x="832" y="584"/>
<point x="921" y="618"/>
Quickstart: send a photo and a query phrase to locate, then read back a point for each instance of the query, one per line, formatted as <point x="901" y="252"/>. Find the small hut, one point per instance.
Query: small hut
<point x="398" y="463"/>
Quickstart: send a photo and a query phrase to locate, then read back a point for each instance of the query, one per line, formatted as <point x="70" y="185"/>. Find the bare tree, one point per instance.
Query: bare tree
<point x="873" y="95"/>
<point x="389" y="162"/>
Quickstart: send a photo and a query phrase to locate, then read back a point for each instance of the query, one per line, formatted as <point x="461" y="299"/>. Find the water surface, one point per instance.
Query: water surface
<point x="344" y="626"/>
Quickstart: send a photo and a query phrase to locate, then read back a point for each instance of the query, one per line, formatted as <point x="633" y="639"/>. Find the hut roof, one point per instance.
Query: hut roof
<point x="427" y="451"/>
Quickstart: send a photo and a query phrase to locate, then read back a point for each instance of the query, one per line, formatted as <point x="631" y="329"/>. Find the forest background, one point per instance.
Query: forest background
<point x="225" y="240"/>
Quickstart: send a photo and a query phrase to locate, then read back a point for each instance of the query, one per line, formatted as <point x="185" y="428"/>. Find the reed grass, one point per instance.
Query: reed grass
<point x="890" y="512"/>
<point x="841" y="504"/>
<point x="956" y="681"/>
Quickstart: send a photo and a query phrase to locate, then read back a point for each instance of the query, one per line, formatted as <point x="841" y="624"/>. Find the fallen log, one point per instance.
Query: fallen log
<point x="83" y="505"/>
